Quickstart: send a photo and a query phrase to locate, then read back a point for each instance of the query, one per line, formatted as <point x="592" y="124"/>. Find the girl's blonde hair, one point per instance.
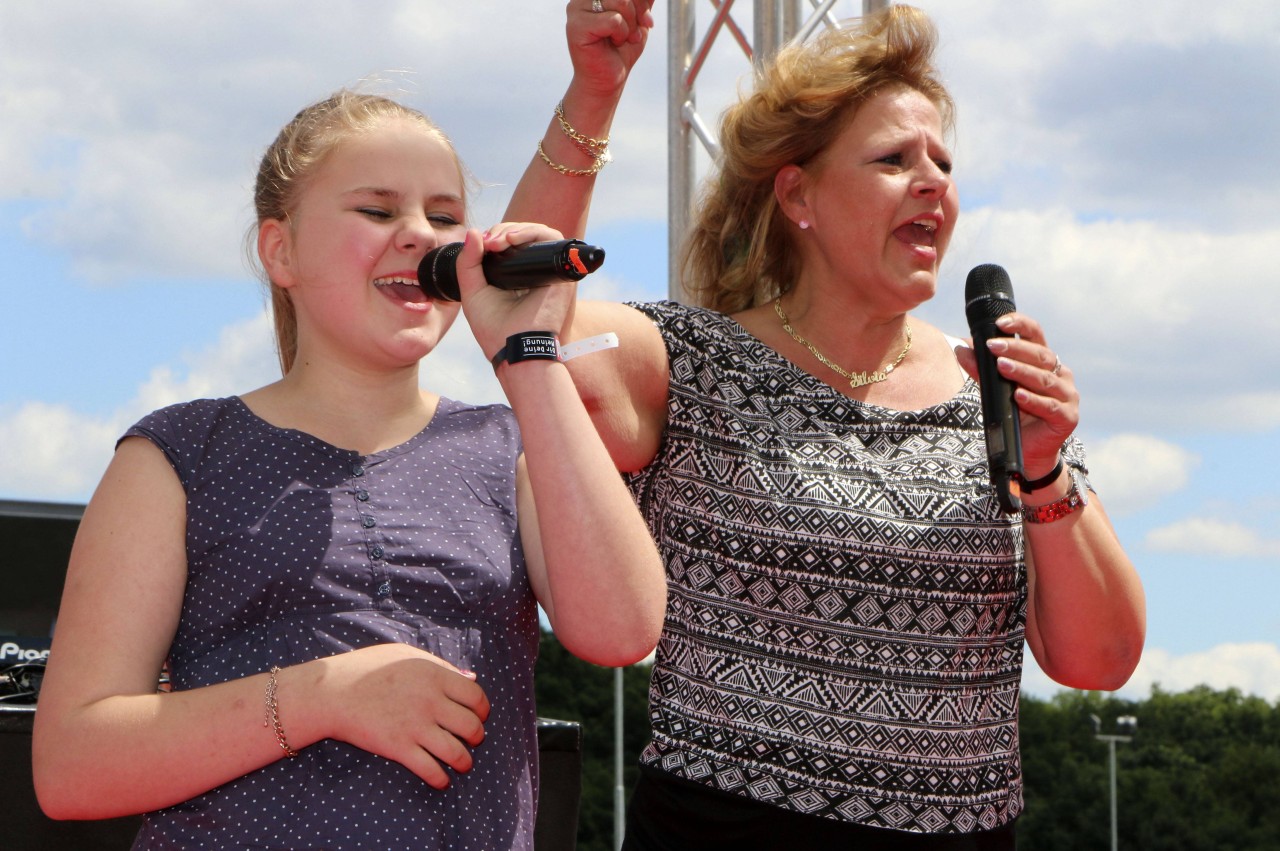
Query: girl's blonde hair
<point x="293" y="158"/>
<point x="739" y="253"/>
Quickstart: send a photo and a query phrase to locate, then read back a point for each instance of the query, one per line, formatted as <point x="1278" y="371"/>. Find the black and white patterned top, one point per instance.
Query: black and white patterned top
<point x="298" y="550"/>
<point x="846" y="616"/>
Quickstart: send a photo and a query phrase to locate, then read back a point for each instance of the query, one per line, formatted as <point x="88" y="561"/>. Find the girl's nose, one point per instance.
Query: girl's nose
<point x="416" y="234"/>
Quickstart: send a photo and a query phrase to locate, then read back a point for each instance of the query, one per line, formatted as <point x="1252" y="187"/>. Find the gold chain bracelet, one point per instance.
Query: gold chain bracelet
<point x="271" y="714"/>
<point x="597" y="149"/>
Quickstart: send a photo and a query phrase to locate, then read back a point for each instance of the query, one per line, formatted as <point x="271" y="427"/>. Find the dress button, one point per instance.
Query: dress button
<point x="357" y="469"/>
<point x="368" y="522"/>
<point x="376" y="552"/>
<point x="384" y="590"/>
<point x="363" y="496"/>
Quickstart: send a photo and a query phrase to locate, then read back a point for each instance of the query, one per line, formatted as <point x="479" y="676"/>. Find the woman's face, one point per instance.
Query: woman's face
<point x="880" y="202"/>
<point x="373" y="209"/>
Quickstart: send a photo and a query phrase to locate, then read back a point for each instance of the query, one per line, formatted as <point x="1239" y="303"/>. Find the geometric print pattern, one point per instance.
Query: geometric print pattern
<point x="846" y="601"/>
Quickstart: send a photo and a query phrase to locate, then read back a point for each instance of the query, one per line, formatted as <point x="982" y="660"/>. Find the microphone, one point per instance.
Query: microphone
<point x="988" y="295"/>
<point x="536" y="264"/>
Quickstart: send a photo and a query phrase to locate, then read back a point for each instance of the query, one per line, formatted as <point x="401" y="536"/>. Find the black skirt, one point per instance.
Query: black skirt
<point x="668" y="813"/>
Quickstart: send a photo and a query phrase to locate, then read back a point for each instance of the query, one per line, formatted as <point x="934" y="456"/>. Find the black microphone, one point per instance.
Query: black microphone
<point x="988" y="295"/>
<point x="536" y="264"/>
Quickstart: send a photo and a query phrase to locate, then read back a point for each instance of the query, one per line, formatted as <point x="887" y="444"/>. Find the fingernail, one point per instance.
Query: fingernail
<point x="471" y="675"/>
<point x="997" y="345"/>
<point x="1004" y="321"/>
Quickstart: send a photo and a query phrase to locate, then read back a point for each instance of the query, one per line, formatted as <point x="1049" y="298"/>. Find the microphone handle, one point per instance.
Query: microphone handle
<point x="1000" y="416"/>
<point x="537" y="264"/>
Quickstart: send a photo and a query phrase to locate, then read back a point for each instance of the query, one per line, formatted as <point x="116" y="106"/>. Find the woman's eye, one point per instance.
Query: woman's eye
<point x="892" y="159"/>
<point x="444" y="221"/>
<point x="944" y="166"/>
<point x="374" y="213"/>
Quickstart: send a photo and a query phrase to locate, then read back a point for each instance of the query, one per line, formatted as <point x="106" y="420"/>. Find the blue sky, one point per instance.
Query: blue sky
<point x="1117" y="159"/>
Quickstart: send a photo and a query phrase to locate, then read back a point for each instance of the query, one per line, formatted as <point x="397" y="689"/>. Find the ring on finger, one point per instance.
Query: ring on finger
<point x="1057" y="365"/>
<point x="597" y="5"/>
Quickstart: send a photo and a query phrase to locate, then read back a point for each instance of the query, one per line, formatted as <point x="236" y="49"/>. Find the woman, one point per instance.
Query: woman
<point x="340" y="569"/>
<point x="847" y="604"/>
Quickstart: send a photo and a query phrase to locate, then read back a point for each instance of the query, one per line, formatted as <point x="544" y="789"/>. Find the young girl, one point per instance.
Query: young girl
<point x="341" y="569"/>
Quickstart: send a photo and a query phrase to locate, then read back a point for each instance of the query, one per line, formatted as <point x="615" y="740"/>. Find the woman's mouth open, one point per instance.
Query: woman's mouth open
<point x="920" y="233"/>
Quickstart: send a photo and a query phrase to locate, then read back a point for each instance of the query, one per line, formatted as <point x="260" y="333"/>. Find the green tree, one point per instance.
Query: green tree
<point x="1201" y="773"/>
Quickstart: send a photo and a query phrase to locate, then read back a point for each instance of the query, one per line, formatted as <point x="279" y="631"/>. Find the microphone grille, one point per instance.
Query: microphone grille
<point x="988" y="280"/>
<point x="438" y="272"/>
<point x="988" y="292"/>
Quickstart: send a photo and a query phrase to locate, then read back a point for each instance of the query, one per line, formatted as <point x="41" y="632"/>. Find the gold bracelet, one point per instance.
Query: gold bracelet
<point x="573" y="172"/>
<point x="597" y="149"/>
<point x="271" y="714"/>
<point x="591" y="147"/>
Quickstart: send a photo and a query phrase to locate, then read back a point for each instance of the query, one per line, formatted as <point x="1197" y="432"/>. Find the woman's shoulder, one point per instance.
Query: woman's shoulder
<point x="689" y="323"/>
<point x="669" y="310"/>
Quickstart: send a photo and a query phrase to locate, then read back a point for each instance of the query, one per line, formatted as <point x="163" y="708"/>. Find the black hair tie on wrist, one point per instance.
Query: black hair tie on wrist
<point x="1044" y="481"/>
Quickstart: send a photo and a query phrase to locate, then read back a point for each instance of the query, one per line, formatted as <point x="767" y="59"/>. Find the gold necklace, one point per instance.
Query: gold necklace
<point x="856" y="379"/>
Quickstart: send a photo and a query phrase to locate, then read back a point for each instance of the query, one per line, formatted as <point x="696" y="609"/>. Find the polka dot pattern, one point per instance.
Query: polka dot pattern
<point x="299" y="550"/>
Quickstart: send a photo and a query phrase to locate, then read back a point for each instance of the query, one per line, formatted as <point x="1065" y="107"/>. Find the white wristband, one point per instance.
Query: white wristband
<point x="598" y="343"/>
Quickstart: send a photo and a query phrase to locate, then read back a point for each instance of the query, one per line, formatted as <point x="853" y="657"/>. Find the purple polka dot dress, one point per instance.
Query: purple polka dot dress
<point x="299" y="550"/>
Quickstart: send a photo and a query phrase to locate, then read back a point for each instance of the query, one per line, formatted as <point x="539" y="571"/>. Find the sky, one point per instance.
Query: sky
<point x="1118" y="159"/>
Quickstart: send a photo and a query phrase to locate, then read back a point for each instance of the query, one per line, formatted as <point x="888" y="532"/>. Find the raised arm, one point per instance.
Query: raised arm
<point x="557" y="186"/>
<point x="592" y="562"/>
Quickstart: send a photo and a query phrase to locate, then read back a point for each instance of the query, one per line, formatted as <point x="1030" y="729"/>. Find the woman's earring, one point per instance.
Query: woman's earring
<point x="804" y="224"/>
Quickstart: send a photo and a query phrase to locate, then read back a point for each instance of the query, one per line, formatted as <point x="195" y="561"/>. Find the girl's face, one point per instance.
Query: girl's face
<point x="881" y="203"/>
<point x="373" y="208"/>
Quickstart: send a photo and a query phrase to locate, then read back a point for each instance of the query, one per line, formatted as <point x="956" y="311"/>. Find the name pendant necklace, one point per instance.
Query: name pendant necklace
<point x="856" y="379"/>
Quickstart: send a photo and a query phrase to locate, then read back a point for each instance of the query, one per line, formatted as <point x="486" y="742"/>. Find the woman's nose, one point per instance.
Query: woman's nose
<point x="931" y="179"/>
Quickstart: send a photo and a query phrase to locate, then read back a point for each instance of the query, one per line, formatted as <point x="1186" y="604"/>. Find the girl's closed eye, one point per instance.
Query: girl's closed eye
<point x="374" y="212"/>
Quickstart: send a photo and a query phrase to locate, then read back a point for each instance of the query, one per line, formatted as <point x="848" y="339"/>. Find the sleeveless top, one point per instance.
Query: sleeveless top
<point x="299" y="550"/>
<point x="847" y="603"/>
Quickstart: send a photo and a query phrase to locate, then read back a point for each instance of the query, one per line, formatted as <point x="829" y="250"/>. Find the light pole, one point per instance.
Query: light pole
<point x="1124" y="724"/>
<point x="619" y="794"/>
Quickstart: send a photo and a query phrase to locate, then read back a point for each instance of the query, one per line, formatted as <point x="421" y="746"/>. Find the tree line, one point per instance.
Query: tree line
<point x="1201" y="772"/>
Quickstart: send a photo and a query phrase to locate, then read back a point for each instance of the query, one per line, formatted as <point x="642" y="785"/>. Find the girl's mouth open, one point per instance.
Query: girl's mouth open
<point x="402" y="289"/>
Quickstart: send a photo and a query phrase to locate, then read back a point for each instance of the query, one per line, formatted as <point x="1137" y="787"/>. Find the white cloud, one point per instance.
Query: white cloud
<point x="53" y="452"/>
<point x="1158" y="322"/>
<point x="1121" y="113"/>
<point x="1252" y="668"/>
<point x="67" y="450"/>
<point x="1204" y="536"/>
<point x="243" y="358"/>
<point x="1137" y="470"/>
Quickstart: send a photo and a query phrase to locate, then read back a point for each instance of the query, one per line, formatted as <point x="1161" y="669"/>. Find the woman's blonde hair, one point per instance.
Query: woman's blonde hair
<point x="293" y="158"/>
<point x="738" y="253"/>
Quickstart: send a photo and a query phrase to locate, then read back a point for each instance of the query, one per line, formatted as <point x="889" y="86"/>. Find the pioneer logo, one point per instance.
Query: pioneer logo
<point x="12" y="653"/>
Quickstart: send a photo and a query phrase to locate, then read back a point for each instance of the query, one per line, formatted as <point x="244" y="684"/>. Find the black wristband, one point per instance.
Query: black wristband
<point x="1031" y="485"/>
<point x="529" y="345"/>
